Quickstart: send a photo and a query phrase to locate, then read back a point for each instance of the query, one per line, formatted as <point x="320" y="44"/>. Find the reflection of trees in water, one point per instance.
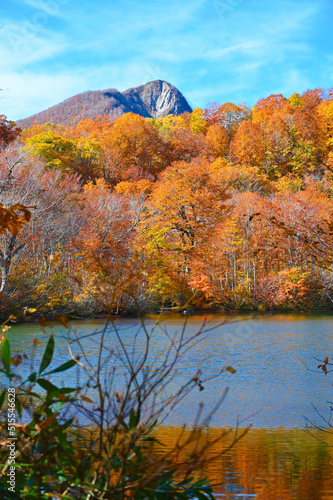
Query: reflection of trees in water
<point x="276" y="465"/>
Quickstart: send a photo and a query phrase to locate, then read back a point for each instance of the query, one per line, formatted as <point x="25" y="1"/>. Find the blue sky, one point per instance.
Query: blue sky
<point x="212" y="50"/>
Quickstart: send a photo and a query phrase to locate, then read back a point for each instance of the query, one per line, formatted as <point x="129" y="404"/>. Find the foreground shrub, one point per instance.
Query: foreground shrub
<point x="96" y="439"/>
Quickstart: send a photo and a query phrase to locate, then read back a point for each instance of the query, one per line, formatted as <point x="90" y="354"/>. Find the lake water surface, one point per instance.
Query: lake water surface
<point x="276" y="388"/>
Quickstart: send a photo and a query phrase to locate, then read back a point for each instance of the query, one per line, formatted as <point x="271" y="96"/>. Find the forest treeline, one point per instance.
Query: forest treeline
<point x="228" y="207"/>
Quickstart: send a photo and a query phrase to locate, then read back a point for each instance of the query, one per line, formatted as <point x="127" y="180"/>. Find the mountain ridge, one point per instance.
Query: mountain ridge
<point x="152" y="100"/>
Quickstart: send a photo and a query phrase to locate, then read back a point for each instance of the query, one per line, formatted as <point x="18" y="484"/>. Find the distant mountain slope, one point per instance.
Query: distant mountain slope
<point x="154" y="99"/>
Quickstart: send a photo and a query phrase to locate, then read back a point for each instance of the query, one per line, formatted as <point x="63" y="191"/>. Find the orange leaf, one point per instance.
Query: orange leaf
<point x="63" y="320"/>
<point x="85" y="398"/>
<point x="42" y="321"/>
<point x="45" y="423"/>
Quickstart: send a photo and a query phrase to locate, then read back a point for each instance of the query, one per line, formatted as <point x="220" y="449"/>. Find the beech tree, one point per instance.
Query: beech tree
<point x="247" y="147"/>
<point x="142" y="152"/>
<point x="218" y="141"/>
<point x="229" y="116"/>
<point x="184" y="208"/>
<point x="106" y="247"/>
<point x="24" y="182"/>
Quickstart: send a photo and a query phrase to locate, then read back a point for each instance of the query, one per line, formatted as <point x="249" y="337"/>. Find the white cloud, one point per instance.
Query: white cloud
<point x="53" y="8"/>
<point x="23" y="44"/>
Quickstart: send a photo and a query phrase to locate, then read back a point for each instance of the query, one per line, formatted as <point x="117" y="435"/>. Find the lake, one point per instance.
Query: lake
<point x="277" y="389"/>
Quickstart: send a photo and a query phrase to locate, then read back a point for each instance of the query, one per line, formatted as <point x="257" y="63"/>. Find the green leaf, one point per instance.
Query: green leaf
<point x="33" y="394"/>
<point x="48" y="355"/>
<point x="67" y="390"/>
<point x="123" y="423"/>
<point x="2" y="398"/>
<point x="63" y="367"/>
<point x="62" y="440"/>
<point x="18" y="407"/>
<point x="132" y="418"/>
<point x="5" y="354"/>
<point x="59" y="406"/>
<point x="52" y="389"/>
<point x="47" y="385"/>
<point x="67" y="424"/>
<point x="32" y="377"/>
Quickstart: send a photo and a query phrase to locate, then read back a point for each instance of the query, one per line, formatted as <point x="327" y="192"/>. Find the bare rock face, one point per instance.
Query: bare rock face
<point x="159" y="99"/>
<point x="152" y="100"/>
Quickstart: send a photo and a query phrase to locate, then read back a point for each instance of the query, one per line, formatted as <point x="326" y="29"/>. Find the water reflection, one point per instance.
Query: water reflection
<point x="271" y="465"/>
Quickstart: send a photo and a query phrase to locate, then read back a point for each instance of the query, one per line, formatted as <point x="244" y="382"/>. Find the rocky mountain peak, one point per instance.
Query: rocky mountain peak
<point x="154" y="99"/>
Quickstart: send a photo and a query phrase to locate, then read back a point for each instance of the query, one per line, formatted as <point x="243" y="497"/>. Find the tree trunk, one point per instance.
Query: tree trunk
<point x="7" y="253"/>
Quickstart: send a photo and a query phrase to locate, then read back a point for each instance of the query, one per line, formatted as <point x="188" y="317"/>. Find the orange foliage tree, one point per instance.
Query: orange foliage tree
<point x="228" y="203"/>
<point x="184" y="209"/>
<point x="105" y="245"/>
<point x="229" y="116"/>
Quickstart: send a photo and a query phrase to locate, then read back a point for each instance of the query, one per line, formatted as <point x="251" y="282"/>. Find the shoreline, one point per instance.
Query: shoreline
<point x="170" y="311"/>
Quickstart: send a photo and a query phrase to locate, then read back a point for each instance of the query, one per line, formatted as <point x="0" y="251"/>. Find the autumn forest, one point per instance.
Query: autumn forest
<point x="227" y="208"/>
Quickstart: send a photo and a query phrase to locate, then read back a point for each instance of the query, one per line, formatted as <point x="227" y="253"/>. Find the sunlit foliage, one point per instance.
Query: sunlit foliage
<point x="231" y="204"/>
